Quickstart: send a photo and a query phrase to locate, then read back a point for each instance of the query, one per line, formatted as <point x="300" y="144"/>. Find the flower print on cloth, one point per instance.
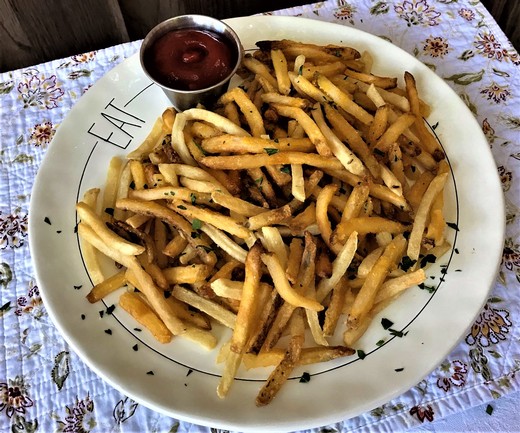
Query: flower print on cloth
<point x="13" y="230"/>
<point x="38" y="91"/>
<point x="30" y="304"/>
<point x="511" y="255"/>
<point x="79" y="417"/>
<point x="452" y="373"/>
<point x="84" y="58"/>
<point x="41" y="134"/>
<point x="488" y="131"/>
<point x="496" y="93"/>
<point x="467" y="14"/>
<point x="417" y="12"/>
<point x="487" y="44"/>
<point x="490" y="327"/>
<point x="345" y="11"/>
<point x="422" y="413"/>
<point x="14" y="397"/>
<point x="506" y="177"/>
<point x="436" y="46"/>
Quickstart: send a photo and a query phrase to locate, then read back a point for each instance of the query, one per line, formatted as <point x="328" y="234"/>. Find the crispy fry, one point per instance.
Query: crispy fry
<point x="139" y="310"/>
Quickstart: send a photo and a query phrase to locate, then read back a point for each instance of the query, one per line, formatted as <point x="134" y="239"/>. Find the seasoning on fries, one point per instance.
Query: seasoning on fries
<point x="309" y="192"/>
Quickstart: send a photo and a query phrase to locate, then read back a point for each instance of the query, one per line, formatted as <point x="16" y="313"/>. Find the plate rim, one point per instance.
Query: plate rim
<point x="64" y="333"/>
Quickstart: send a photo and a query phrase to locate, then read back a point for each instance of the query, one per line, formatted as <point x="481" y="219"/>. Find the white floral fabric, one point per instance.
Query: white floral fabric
<point x="45" y="387"/>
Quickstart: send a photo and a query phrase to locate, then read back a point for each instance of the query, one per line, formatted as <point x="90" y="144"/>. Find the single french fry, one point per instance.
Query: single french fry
<point x="102" y="289"/>
<point x="139" y="310"/>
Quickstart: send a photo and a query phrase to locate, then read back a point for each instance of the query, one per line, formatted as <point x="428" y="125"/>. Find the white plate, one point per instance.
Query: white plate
<point x="115" y="115"/>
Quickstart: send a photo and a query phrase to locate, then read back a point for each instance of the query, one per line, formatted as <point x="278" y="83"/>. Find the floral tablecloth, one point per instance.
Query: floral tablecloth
<point x="45" y="387"/>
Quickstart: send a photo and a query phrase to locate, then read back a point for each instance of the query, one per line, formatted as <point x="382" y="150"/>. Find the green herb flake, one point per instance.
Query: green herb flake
<point x="193" y="198"/>
<point x="396" y="333"/>
<point x="259" y="181"/>
<point x="286" y="169"/>
<point x="111" y="309"/>
<point x="150" y="373"/>
<point x="196" y="224"/>
<point x="181" y="207"/>
<point x="47" y="220"/>
<point x="386" y="323"/>
<point x="306" y="378"/>
<point x="428" y="258"/>
<point x="78" y="287"/>
<point x="300" y="70"/>
<point x="361" y="354"/>
<point x="108" y="331"/>
<point x="109" y="210"/>
<point x="380" y="343"/>
<point x="453" y="226"/>
<point x="489" y="410"/>
<point x="135" y="347"/>
<point x="398" y="370"/>
<point x="429" y="289"/>
<point x="270" y="150"/>
<point x="407" y="263"/>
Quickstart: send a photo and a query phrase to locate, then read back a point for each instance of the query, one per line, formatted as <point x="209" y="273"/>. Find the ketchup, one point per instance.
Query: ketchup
<point x="190" y="59"/>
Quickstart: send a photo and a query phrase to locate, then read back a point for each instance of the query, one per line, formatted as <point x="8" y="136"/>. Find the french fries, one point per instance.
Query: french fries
<point x="302" y="191"/>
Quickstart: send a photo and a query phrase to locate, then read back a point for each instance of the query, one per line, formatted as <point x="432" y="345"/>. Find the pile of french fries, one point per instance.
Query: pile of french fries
<point x="292" y="211"/>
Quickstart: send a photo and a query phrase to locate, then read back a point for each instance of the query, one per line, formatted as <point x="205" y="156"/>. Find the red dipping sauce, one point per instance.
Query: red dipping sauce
<point x="190" y="59"/>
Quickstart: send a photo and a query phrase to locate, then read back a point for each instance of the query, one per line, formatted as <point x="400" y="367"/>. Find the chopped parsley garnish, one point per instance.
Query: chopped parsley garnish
<point x="111" y="309"/>
<point x="434" y="127"/>
<point x="47" y="220"/>
<point x="196" y="224"/>
<point x="167" y="294"/>
<point x="150" y="373"/>
<point x="108" y="331"/>
<point x="406" y="263"/>
<point x="286" y="169"/>
<point x="189" y="372"/>
<point x="83" y="317"/>
<point x="78" y="287"/>
<point x="386" y="323"/>
<point x="489" y="409"/>
<point x="137" y="329"/>
<point x="259" y="181"/>
<point x="453" y="226"/>
<point x="109" y="210"/>
<point x="428" y="258"/>
<point x="429" y="289"/>
<point x="181" y="207"/>
<point x="306" y="378"/>
<point x="270" y="150"/>
<point x="361" y="354"/>
<point x="398" y="370"/>
<point x="380" y="343"/>
<point x="101" y="313"/>
<point x="135" y="347"/>
<point x="396" y="333"/>
<point x="193" y="198"/>
<point x="300" y="70"/>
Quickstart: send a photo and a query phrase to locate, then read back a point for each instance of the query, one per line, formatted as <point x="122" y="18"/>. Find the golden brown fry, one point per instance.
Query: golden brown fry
<point x="99" y="291"/>
<point x="368" y="292"/>
<point x="256" y="161"/>
<point x="140" y="311"/>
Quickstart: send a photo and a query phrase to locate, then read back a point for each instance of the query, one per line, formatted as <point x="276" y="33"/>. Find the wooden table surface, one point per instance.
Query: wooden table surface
<point x="35" y="31"/>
